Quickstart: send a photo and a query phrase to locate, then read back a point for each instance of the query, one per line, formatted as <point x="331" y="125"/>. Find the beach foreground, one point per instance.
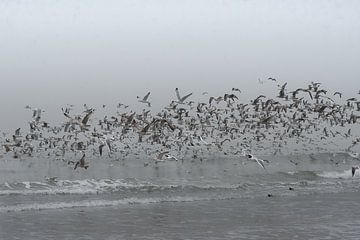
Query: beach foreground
<point x="314" y="216"/>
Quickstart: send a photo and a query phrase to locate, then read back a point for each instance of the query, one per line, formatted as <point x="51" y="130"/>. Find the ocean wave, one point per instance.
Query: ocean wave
<point x="132" y="186"/>
<point x="87" y="186"/>
<point x="94" y="186"/>
<point x="346" y="174"/>
<point x="318" y="175"/>
<point x="103" y="203"/>
<point x="306" y="175"/>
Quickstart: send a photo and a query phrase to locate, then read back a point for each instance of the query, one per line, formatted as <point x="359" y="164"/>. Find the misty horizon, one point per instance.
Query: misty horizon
<point x="59" y="53"/>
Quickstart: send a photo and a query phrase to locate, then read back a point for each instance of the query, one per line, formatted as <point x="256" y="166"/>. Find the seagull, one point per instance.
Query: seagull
<point x="203" y="141"/>
<point x="353" y="169"/>
<point x="17" y="132"/>
<point x="87" y="117"/>
<point x="83" y="124"/>
<point x="37" y="114"/>
<point x="159" y="157"/>
<point x="252" y="157"/>
<point x="81" y="163"/>
<point x="181" y="99"/>
<point x="170" y="157"/>
<point x="282" y="91"/>
<point x="338" y="93"/>
<point x="145" y="99"/>
<point x="77" y="120"/>
<point x="353" y="154"/>
<point x="236" y="89"/>
<point x="101" y="146"/>
<point x="272" y="79"/>
<point x="231" y="96"/>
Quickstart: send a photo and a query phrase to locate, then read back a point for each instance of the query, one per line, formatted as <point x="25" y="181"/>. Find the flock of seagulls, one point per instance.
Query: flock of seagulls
<point x="308" y="118"/>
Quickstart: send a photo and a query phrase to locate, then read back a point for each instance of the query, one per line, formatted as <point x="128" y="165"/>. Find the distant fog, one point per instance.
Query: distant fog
<point x="105" y="52"/>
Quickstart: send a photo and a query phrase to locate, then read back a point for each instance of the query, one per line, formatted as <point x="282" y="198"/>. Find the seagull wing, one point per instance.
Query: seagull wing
<point x="66" y="115"/>
<point x="310" y="94"/>
<point x="17" y="132"/>
<point x="177" y="94"/>
<point x="76" y="165"/>
<point x="82" y="160"/>
<point x="109" y="144"/>
<point x="260" y="162"/>
<point x="264" y="160"/>
<point x="203" y="141"/>
<point x="160" y="156"/>
<point x="211" y="99"/>
<point x="283" y="88"/>
<point x="146" y="96"/>
<point x="147" y="127"/>
<point x="353" y="169"/>
<point x="101" y="149"/>
<point x="170" y="157"/>
<point x="185" y="97"/>
<point x="86" y="118"/>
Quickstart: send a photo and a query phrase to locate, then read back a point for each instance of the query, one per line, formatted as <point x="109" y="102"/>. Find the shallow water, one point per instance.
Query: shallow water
<point x="215" y="198"/>
<point x="314" y="216"/>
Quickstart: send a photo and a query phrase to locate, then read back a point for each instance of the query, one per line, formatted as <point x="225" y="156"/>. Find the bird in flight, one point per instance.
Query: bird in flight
<point x="181" y="100"/>
<point x="145" y="99"/>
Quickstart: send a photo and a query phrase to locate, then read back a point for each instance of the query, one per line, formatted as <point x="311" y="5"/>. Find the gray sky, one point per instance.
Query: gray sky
<point x="95" y="52"/>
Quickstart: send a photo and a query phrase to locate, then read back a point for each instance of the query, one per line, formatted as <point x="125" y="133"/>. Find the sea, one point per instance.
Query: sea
<point x="303" y="196"/>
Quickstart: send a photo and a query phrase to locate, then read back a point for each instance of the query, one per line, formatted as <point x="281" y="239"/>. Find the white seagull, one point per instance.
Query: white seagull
<point x="252" y="157"/>
<point x="203" y="141"/>
<point x="145" y="99"/>
<point x="170" y="157"/>
<point x="159" y="157"/>
<point x="181" y="99"/>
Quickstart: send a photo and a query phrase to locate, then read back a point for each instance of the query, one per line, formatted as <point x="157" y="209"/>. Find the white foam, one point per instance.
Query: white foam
<point x="6" y="184"/>
<point x="88" y="186"/>
<point x="93" y="186"/>
<point x="27" y="185"/>
<point x="96" y="203"/>
<point x="336" y="174"/>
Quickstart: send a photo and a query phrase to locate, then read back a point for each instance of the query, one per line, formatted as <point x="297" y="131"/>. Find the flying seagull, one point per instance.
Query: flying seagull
<point x="81" y="163"/>
<point x="257" y="160"/>
<point x="181" y="99"/>
<point x="145" y="99"/>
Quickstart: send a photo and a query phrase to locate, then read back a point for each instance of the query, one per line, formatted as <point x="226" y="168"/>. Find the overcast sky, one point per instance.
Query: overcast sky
<point x="95" y="52"/>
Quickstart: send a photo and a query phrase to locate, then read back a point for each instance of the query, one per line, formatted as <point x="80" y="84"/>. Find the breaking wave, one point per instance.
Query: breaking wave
<point x="100" y="203"/>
